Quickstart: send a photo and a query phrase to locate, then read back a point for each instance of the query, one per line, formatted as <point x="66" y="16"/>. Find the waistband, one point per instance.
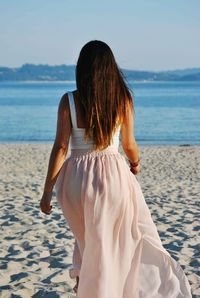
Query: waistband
<point x="110" y="150"/>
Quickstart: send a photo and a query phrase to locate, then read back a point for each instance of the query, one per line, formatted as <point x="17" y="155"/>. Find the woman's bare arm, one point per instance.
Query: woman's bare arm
<point x="129" y="144"/>
<point x="58" y="152"/>
<point x="60" y="146"/>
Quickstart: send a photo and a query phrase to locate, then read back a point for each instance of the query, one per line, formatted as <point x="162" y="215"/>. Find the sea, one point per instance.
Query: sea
<point x="165" y="112"/>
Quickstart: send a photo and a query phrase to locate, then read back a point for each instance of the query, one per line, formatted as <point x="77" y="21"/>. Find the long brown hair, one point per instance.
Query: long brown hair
<point x="102" y="91"/>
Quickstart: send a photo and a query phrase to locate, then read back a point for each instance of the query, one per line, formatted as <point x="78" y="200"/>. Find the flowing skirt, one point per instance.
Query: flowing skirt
<point x="118" y="252"/>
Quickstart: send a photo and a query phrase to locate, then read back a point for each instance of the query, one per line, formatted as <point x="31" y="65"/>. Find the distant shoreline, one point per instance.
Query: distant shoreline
<point x="43" y="72"/>
<point x="74" y="82"/>
<point x="39" y="81"/>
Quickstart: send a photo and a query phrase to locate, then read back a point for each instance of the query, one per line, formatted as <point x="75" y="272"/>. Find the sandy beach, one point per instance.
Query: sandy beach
<point x="36" y="249"/>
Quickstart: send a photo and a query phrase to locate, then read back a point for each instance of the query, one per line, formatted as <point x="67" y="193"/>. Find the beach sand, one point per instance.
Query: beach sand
<point x="36" y="249"/>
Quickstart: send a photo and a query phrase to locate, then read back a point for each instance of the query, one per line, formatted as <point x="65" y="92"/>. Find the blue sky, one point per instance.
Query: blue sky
<point x="143" y="34"/>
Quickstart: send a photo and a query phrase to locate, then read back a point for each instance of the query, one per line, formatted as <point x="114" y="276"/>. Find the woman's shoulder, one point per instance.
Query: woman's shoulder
<point x="64" y="102"/>
<point x="65" y="96"/>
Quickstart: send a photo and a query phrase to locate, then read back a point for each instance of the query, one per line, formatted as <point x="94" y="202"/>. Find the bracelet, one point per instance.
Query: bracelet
<point x="135" y="164"/>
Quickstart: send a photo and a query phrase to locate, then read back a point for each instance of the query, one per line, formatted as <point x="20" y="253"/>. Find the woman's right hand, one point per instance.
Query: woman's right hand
<point x="45" y="203"/>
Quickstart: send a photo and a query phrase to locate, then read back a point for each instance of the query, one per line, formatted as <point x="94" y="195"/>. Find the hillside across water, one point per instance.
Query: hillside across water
<point x="44" y="72"/>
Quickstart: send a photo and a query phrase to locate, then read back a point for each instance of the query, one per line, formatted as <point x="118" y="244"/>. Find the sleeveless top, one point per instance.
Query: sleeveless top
<point x="77" y="135"/>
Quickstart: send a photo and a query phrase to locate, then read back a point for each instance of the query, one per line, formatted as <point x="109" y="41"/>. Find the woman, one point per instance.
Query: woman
<point x="117" y="252"/>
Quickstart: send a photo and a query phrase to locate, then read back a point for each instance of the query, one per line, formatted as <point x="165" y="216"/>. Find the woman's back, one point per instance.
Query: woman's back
<point x="78" y="129"/>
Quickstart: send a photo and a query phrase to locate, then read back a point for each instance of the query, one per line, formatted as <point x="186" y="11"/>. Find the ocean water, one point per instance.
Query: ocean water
<point x="165" y="112"/>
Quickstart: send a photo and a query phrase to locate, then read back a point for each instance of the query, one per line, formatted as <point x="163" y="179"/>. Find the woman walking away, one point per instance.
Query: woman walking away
<point x="117" y="252"/>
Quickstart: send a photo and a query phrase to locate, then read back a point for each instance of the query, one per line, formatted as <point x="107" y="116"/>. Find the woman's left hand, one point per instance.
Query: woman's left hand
<point x="45" y="203"/>
<point x="135" y="170"/>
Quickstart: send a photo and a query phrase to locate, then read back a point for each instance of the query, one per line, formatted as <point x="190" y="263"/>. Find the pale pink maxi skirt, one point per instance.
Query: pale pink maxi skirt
<point x="118" y="252"/>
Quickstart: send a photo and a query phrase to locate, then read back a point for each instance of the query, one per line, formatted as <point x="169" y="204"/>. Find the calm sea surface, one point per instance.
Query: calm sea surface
<point x="165" y="112"/>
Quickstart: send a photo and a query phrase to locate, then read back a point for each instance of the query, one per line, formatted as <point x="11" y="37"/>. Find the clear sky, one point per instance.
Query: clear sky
<point x="143" y="34"/>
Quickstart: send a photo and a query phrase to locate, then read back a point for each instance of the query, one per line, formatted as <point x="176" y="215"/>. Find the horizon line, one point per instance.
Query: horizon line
<point x="124" y="68"/>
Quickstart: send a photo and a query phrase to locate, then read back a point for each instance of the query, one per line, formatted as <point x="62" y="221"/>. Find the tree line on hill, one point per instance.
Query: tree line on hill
<point x="44" y="72"/>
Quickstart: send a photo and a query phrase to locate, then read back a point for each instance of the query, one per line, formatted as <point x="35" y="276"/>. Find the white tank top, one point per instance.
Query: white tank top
<point x="77" y="135"/>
